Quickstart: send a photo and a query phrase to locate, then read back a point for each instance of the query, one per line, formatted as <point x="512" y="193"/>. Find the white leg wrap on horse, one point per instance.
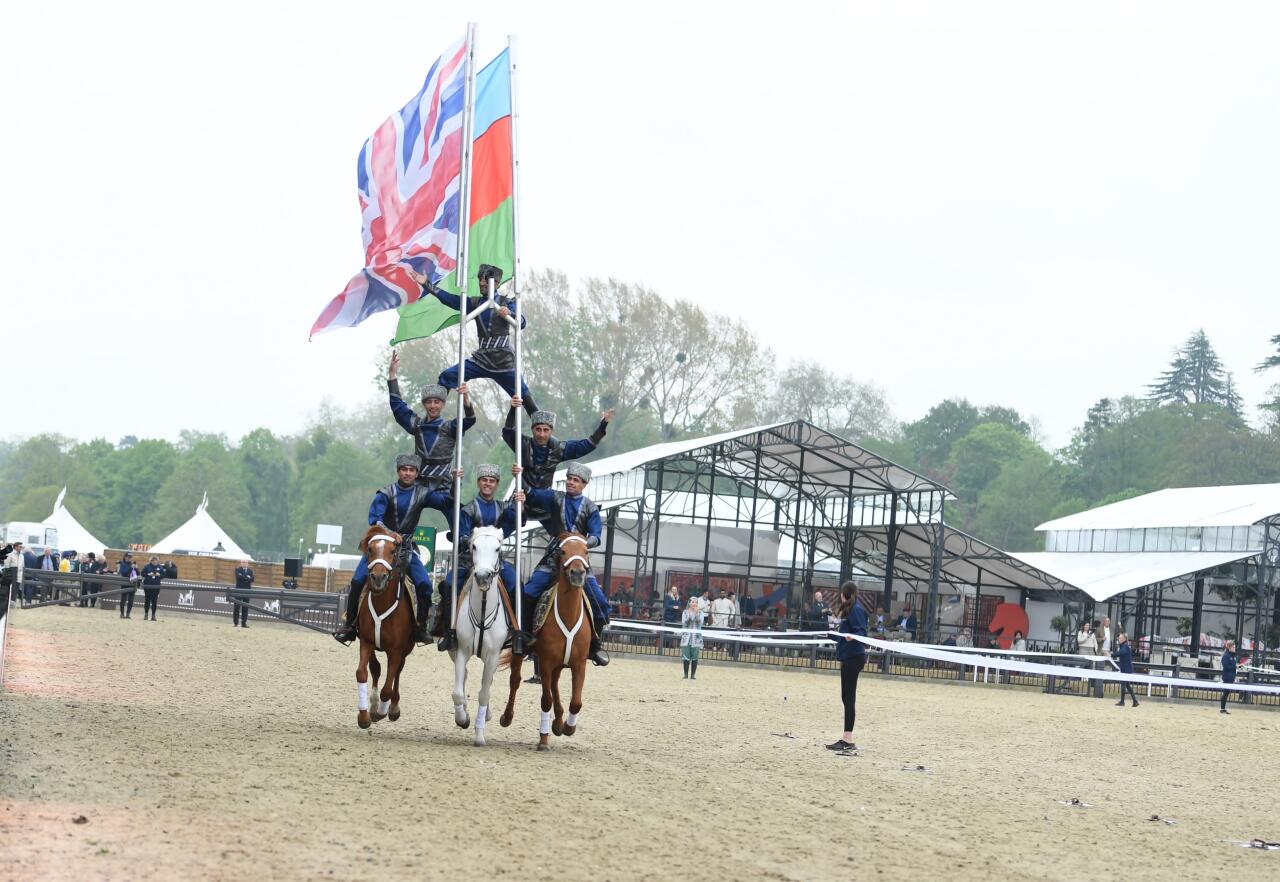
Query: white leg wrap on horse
<point x="383" y="707"/>
<point x="571" y="720"/>
<point x="362" y="696"/>
<point x="482" y="714"/>
<point x="544" y="728"/>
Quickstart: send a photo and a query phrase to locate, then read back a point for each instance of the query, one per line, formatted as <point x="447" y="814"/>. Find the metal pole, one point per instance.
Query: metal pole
<point x="657" y="524"/>
<point x="890" y="554"/>
<point x="1197" y="610"/>
<point x="516" y="293"/>
<point x="706" y="543"/>
<point x="463" y="278"/>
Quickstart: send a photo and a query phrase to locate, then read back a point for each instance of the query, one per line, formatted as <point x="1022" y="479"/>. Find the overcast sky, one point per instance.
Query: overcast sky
<point x="1022" y="203"/>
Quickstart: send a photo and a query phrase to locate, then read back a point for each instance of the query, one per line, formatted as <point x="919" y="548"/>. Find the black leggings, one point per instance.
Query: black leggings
<point x="126" y="603"/>
<point x="1127" y="687"/>
<point x="150" y="596"/>
<point x="850" y="668"/>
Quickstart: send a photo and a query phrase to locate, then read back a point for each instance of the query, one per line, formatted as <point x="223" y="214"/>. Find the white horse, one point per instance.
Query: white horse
<point x="482" y="626"/>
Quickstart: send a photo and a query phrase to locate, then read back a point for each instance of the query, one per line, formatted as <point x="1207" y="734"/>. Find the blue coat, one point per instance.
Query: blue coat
<point x="1123" y="654"/>
<point x="855" y="622"/>
<point x="1228" y="666"/>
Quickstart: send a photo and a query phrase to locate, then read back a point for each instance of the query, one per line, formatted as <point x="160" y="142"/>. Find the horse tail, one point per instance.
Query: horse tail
<point x="504" y="660"/>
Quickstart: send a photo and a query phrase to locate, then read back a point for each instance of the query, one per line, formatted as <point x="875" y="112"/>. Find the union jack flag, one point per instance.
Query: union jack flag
<point x="409" y="176"/>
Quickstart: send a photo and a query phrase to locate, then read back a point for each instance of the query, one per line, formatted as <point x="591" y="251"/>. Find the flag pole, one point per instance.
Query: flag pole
<point x="516" y="293"/>
<point x="463" y="277"/>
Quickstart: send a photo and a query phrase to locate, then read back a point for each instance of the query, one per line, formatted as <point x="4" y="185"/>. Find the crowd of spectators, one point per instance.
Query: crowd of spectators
<point x="17" y="561"/>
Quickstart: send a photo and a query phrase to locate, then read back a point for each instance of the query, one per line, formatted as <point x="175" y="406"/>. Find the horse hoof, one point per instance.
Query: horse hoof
<point x="544" y="746"/>
<point x="505" y="720"/>
<point x="479" y="742"/>
<point x="569" y="730"/>
<point x="463" y="723"/>
<point x="362" y="720"/>
<point x="557" y="728"/>
<point x="394" y="715"/>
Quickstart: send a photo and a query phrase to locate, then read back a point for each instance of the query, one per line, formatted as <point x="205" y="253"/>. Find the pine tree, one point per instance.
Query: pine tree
<point x="1195" y="376"/>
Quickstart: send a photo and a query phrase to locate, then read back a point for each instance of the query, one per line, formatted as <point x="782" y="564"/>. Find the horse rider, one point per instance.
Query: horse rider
<point x="542" y="453"/>
<point x="495" y="359"/>
<point x="568" y="511"/>
<point x="397" y="508"/>
<point x="483" y="511"/>
<point x="434" y="438"/>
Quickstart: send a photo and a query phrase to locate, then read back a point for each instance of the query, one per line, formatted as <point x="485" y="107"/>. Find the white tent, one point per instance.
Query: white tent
<point x="200" y="535"/>
<point x="72" y="536"/>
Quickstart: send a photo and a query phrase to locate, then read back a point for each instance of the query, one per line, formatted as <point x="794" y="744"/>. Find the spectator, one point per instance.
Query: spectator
<point x="691" y="638"/>
<point x="748" y="607"/>
<point x="1098" y="638"/>
<point x="170" y="570"/>
<point x="152" y="573"/>
<point x="240" y="602"/>
<point x="1124" y="657"/>
<point x="965" y="638"/>
<point x="1106" y="636"/>
<point x="722" y="612"/>
<point x="128" y="571"/>
<point x="89" y="590"/>
<point x="1228" y="673"/>
<point x="1085" y="642"/>
<point x="68" y="564"/>
<point x="15" y="561"/>
<point x="852" y="655"/>
<point x="1019" y="642"/>
<point x="818" y="613"/>
<point x="950" y="641"/>
<point x="879" y="627"/>
<point x="735" y="618"/>
<point x="671" y="606"/>
<point x="907" y="623"/>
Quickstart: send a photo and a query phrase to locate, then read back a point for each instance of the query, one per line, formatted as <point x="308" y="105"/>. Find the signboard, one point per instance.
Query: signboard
<point x="425" y="539"/>
<point x="328" y="534"/>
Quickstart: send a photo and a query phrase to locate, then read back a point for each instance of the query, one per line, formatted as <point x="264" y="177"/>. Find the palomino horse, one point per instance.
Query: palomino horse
<point x="563" y="642"/>
<point x="384" y="622"/>
<point x="481" y="624"/>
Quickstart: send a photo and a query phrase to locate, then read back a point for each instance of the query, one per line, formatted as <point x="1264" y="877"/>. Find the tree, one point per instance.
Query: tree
<point x="32" y="476"/>
<point x="1196" y="376"/>
<point x="839" y="404"/>
<point x="977" y="458"/>
<point x="1022" y="496"/>
<point x="206" y="466"/>
<point x="268" y="477"/>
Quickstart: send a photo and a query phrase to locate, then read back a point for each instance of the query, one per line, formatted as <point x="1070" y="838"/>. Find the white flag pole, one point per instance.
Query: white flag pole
<point x="463" y="278"/>
<point x="516" y="293"/>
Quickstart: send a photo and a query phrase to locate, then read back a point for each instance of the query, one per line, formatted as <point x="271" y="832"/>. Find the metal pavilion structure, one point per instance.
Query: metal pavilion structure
<point x="780" y="509"/>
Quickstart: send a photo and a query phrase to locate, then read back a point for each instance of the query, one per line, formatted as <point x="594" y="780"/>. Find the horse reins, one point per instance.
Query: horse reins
<point x="382" y="539"/>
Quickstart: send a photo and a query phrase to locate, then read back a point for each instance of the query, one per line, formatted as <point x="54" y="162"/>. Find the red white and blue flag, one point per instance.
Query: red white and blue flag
<point x="409" y="176"/>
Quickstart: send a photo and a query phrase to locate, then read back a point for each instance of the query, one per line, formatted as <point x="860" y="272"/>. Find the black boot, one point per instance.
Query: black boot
<point x="522" y="639"/>
<point x="693" y="669"/>
<point x="686" y="669"/>
<point x="597" y="654"/>
<point x="421" y="634"/>
<point x="347" y="632"/>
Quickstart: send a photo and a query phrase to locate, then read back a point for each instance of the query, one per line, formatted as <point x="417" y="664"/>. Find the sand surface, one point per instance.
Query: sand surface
<point x="197" y="751"/>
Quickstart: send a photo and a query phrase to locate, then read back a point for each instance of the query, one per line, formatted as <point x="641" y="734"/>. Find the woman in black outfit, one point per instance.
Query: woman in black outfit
<point x="852" y="655"/>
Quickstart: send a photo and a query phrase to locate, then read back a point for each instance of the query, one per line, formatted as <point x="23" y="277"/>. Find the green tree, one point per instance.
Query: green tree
<point x="32" y="475"/>
<point x="268" y="477"/>
<point x="977" y="458"/>
<point x="1021" y="497"/>
<point x="840" y="404"/>
<point x="1196" y="376"/>
<point x="337" y="487"/>
<point x="206" y="466"/>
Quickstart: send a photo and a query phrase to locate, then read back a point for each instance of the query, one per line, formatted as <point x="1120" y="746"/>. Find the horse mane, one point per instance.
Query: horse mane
<point x="374" y="530"/>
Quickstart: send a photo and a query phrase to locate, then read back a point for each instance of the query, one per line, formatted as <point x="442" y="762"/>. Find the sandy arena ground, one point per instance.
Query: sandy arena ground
<point x="196" y="751"/>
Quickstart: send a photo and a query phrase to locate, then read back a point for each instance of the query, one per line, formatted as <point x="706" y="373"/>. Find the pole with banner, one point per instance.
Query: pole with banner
<point x="463" y="277"/>
<point x="516" y="293"/>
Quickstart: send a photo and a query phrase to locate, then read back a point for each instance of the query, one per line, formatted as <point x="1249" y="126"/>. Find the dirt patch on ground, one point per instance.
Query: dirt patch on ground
<point x="194" y="750"/>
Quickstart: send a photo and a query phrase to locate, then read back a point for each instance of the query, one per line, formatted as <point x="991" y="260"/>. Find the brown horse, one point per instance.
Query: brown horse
<point x="563" y="642"/>
<point x="384" y="623"/>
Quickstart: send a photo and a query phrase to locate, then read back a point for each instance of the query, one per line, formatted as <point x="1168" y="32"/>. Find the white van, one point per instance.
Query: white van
<point x="34" y="536"/>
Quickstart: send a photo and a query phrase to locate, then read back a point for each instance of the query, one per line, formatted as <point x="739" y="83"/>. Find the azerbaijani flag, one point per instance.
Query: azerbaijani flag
<point x="492" y="219"/>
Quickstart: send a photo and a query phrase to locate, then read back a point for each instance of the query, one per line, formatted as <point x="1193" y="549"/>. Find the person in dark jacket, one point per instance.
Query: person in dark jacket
<point x="1123" y="654"/>
<point x="240" y="602"/>
<point x="152" y="573"/>
<point x="126" y="570"/>
<point x="852" y="655"/>
<point x="671" y="606"/>
<point x="93" y="567"/>
<point x="1228" y="673"/>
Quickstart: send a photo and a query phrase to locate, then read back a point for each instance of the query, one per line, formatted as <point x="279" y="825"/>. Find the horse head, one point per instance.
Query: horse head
<point x="381" y="548"/>
<point x="486" y="546"/>
<point x="573" y="558"/>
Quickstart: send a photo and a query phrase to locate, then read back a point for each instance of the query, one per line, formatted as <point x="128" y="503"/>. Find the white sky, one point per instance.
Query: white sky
<point x="1026" y="203"/>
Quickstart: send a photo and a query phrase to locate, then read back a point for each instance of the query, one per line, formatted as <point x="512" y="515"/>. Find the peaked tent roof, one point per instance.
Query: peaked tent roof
<point x="72" y="536"/>
<point x="1235" y="505"/>
<point x="201" y="535"/>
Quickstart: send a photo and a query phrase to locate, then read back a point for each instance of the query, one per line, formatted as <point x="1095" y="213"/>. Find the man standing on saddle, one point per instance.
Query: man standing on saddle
<point x="397" y="508"/>
<point x="433" y="437"/>
<point x="483" y="511"/>
<point x="568" y="511"/>
<point x="495" y="359"/>
<point x="542" y="453"/>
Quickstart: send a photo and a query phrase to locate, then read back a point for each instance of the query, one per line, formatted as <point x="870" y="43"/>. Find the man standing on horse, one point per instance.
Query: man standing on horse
<point x="483" y="511"/>
<point x="495" y="359"/>
<point x="542" y="453"/>
<point x="433" y="438"/>
<point x="397" y="508"/>
<point x="568" y="511"/>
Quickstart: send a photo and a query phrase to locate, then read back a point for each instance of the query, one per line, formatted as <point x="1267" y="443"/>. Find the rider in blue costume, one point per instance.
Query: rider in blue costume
<point x="495" y="359"/>
<point x="397" y="508"/>
<point x="542" y="453"/>
<point x="434" y="438"/>
<point x="569" y="511"/>
<point x="483" y="511"/>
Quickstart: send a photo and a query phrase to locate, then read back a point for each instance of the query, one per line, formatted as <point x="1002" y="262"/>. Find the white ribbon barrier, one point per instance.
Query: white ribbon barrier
<point x="973" y="657"/>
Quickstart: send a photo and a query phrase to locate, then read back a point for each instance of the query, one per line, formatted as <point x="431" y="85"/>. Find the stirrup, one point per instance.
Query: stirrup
<point x="346" y="634"/>
<point x="521" y="643"/>
<point x="448" y="641"/>
<point x="597" y="654"/>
